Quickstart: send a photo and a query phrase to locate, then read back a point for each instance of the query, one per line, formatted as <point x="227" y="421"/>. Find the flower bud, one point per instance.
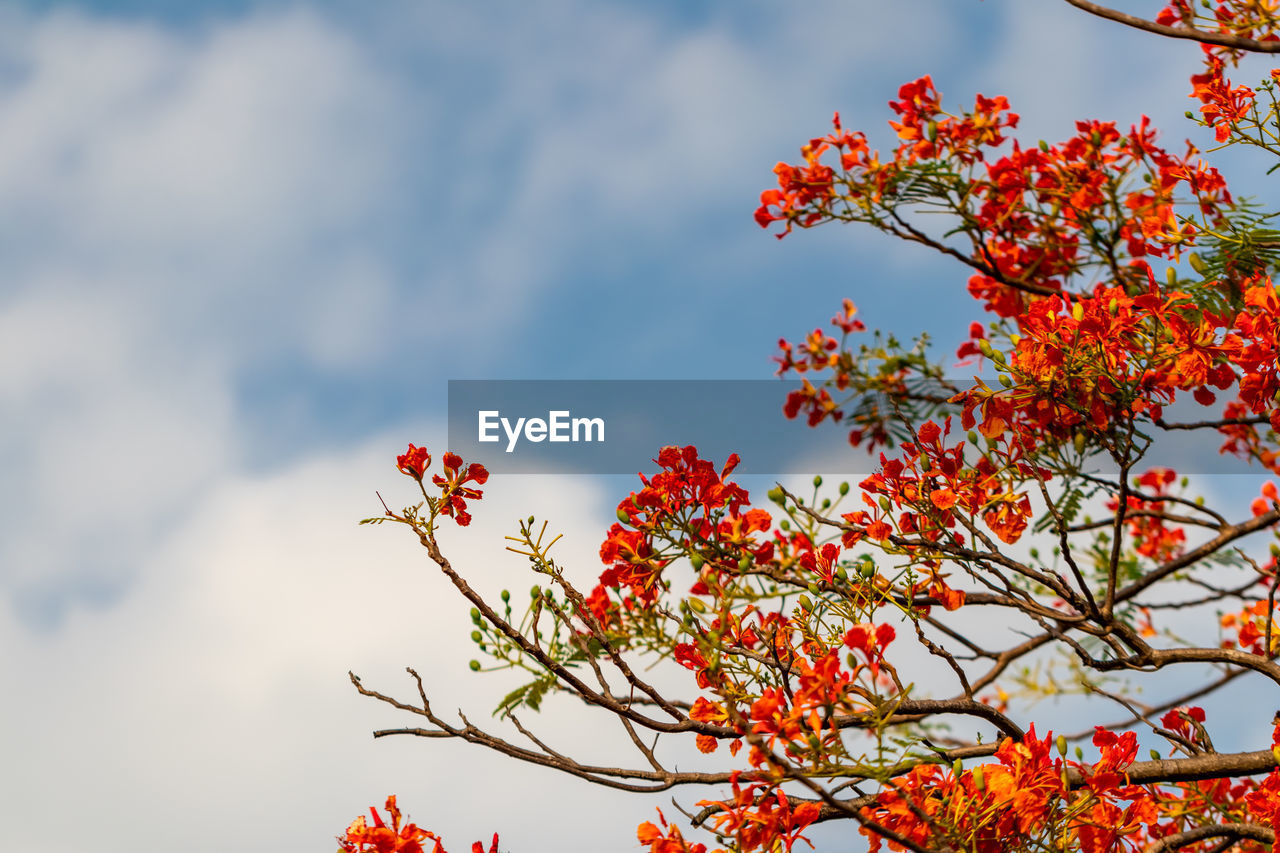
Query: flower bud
<point x="775" y="494"/>
<point x="475" y="616"/>
<point x="1155" y="755"/>
<point x="697" y="561"/>
<point x="817" y="481"/>
<point x="475" y="666"/>
<point x="1062" y="746"/>
<point x="1198" y="264"/>
<point x="505" y="595"/>
<point x="476" y="636"/>
<point x="623" y="517"/>
<point x="746" y="562"/>
<point x="697" y="605"/>
<point x="844" y="489"/>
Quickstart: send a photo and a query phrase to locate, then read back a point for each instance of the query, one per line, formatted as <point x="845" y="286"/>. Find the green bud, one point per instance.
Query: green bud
<point x="841" y="573"/>
<point x="1155" y="755"/>
<point x="931" y="131"/>
<point x="476" y="636"/>
<point x="505" y="595"/>
<point x="746" y="562"/>
<point x="1005" y="380"/>
<point x="475" y="616"/>
<point x="844" y="489"/>
<point x="1035" y="553"/>
<point x="697" y="561"/>
<point x="979" y="780"/>
<point x="531" y="521"/>
<point x="805" y="602"/>
<point x="784" y="524"/>
<point x="535" y="591"/>
<point x="957" y="767"/>
<point x="817" y="481"/>
<point x="1062" y="746"/>
<point x="826" y="503"/>
<point x="697" y="605"/>
<point x="775" y="494"/>
<point x="1044" y="146"/>
<point x="623" y="517"/>
<point x="1190" y="115"/>
<point x="1079" y="442"/>
<point x="1198" y="264"/>
<point x="867" y="569"/>
<point x="971" y="436"/>
<point x="1079" y="754"/>
<point x="475" y="666"/>
<point x="884" y="503"/>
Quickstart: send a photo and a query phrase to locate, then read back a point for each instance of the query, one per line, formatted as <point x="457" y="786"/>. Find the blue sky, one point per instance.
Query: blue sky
<point x="243" y="247"/>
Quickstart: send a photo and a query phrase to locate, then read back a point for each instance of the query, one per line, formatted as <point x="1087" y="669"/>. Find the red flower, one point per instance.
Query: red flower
<point x="414" y="462"/>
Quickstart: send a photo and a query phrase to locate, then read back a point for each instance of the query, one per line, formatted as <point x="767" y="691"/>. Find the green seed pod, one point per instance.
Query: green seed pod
<point x="475" y="666"/>
<point x="476" y="636"/>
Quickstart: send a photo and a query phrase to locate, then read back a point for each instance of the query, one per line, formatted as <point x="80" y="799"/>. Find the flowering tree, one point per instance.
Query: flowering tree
<point x="836" y="650"/>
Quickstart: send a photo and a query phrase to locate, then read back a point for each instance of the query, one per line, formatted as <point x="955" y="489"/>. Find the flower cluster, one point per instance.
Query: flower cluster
<point x="360" y="837"/>
<point x="453" y="483"/>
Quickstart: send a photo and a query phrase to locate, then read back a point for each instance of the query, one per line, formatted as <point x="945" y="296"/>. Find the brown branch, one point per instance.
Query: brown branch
<point x="1204" y="37"/>
<point x="1233" y="831"/>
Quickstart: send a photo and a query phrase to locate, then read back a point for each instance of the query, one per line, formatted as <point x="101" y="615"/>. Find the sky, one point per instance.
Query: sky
<point x="243" y="248"/>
